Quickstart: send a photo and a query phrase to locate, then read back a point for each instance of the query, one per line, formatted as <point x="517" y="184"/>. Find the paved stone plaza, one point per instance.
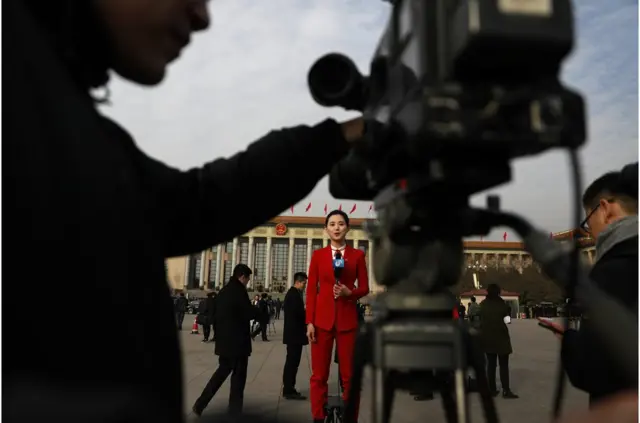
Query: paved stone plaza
<point x="533" y="369"/>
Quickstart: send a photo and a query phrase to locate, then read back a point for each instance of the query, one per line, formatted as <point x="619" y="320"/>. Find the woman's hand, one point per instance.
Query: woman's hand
<point x="341" y="291"/>
<point x="311" y="333"/>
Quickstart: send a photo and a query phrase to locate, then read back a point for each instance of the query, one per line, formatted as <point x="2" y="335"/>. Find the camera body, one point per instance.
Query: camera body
<point x="456" y="89"/>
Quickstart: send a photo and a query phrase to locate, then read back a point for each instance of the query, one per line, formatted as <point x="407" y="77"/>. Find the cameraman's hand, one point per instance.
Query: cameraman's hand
<point x="311" y="333"/>
<point x="353" y="129"/>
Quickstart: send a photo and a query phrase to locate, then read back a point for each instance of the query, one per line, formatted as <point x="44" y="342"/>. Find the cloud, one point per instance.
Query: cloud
<point x="247" y="75"/>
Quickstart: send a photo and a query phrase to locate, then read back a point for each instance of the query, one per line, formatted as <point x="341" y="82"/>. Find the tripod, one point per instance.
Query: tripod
<point x="414" y="336"/>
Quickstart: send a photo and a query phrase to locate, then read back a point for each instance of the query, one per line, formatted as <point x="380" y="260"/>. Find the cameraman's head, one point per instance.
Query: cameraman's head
<point x="135" y="38"/>
<point x="337" y="226"/>
<point x="608" y="199"/>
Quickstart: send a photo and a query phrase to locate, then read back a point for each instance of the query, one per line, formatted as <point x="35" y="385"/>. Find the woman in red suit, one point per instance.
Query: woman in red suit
<point x="332" y="311"/>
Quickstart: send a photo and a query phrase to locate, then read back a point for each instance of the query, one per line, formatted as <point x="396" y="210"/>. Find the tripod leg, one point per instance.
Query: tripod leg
<point x="449" y="404"/>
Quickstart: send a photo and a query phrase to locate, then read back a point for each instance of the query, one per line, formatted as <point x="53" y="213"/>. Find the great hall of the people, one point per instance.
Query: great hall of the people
<point x="281" y="247"/>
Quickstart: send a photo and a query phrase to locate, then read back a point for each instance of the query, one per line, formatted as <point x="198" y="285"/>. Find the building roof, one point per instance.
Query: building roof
<point x="483" y="293"/>
<point x="584" y="240"/>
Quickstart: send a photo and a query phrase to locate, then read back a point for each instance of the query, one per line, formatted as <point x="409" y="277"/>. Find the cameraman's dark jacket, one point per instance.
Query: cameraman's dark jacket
<point x="77" y="187"/>
<point x="586" y="361"/>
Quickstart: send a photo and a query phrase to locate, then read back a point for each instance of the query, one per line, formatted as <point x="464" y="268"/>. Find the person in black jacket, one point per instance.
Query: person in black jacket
<point x="77" y="185"/>
<point x="611" y="207"/>
<point x="180" y="308"/>
<point x="206" y="315"/>
<point x="233" y="343"/>
<point x="263" y="317"/>
<point x="294" y="335"/>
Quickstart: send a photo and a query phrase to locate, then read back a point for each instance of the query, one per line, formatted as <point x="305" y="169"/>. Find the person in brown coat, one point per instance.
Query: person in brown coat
<point x="495" y="339"/>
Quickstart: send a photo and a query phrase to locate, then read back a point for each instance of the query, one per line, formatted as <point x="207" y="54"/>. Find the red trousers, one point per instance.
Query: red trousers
<point x="321" y="357"/>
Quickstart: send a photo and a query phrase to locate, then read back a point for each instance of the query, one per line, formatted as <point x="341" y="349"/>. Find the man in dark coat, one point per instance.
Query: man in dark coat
<point x="206" y="313"/>
<point x="233" y="342"/>
<point x="180" y="308"/>
<point x="263" y="317"/>
<point x="495" y="339"/>
<point x="294" y="335"/>
<point x="611" y="207"/>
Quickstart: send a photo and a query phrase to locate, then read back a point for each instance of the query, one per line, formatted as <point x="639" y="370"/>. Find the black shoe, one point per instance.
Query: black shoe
<point x="265" y="340"/>
<point x="196" y="411"/>
<point x="494" y="392"/>
<point x="507" y="394"/>
<point x="295" y="395"/>
<point x="427" y="397"/>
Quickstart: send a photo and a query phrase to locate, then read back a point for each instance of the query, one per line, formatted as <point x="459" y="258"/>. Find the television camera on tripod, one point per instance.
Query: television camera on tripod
<point x="456" y="90"/>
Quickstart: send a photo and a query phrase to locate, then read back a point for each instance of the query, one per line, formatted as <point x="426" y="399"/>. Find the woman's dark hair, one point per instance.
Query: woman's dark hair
<point x="78" y="37"/>
<point x="336" y="212"/>
<point x="493" y="291"/>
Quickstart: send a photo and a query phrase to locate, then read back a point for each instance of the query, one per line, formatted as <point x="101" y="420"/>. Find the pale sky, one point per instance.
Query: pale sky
<point x="247" y="75"/>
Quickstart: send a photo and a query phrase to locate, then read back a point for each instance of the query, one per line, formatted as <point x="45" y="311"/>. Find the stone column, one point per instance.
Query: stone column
<point x="234" y="253"/>
<point x="290" y="263"/>
<point x="267" y="271"/>
<point x="207" y="268"/>
<point x="203" y="266"/>
<point x="355" y="244"/>
<point x="186" y="271"/>
<point x="220" y="266"/>
<point x="372" y="285"/>
<point x="250" y="260"/>
<point x="309" y="252"/>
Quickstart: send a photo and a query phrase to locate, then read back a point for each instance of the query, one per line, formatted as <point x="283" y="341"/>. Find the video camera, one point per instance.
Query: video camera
<point x="456" y="90"/>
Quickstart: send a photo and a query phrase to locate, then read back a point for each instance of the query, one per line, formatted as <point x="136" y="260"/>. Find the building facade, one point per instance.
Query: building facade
<point x="283" y="246"/>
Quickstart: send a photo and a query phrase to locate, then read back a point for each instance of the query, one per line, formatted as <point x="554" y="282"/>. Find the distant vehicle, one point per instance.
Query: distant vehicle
<point x="192" y="307"/>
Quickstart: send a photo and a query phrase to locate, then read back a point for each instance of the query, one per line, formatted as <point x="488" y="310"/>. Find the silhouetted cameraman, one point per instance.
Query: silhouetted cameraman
<point x="78" y="189"/>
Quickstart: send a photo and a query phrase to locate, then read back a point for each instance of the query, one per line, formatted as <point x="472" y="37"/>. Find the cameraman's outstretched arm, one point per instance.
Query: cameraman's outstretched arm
<point x="196" y="209"/>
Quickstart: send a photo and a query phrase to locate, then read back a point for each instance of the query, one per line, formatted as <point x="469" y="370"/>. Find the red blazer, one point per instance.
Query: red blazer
<point x="323" y="310"/>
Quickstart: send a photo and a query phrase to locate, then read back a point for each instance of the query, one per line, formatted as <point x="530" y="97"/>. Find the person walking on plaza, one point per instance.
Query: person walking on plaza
<point x="206" y="313"/>
<point x="278" y="305"/>
<point x="495" y="340"/>
<point x="233" y="342"/>
<point x="181" y="308"/>
<point x="262" y="318"/>
<point x="331" y="313"/>
<point x="473" y="313"/>
<point x="294" y="335"/>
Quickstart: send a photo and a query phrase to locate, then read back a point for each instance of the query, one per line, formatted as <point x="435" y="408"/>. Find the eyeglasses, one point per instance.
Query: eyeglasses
<point x="585" y="223"/>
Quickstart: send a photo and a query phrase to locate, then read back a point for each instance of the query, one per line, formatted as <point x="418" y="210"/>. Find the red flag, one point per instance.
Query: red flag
<point x="308" y="207"/>
<point x="353" y="209"/>
<point x="550" y="235"/>
<point x="325" y="208"/>
<point x="340" y="207"/>
<point x="291" y="209"/>
<point x="504" y="237"/>
<point x="370" y="208"/>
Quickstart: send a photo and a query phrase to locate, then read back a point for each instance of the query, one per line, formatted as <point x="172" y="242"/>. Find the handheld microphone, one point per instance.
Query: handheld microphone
<point x="338" y="267"/>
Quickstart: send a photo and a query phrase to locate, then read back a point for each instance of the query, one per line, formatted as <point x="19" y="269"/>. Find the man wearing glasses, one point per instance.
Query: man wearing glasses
<point x="611" y="209"/>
